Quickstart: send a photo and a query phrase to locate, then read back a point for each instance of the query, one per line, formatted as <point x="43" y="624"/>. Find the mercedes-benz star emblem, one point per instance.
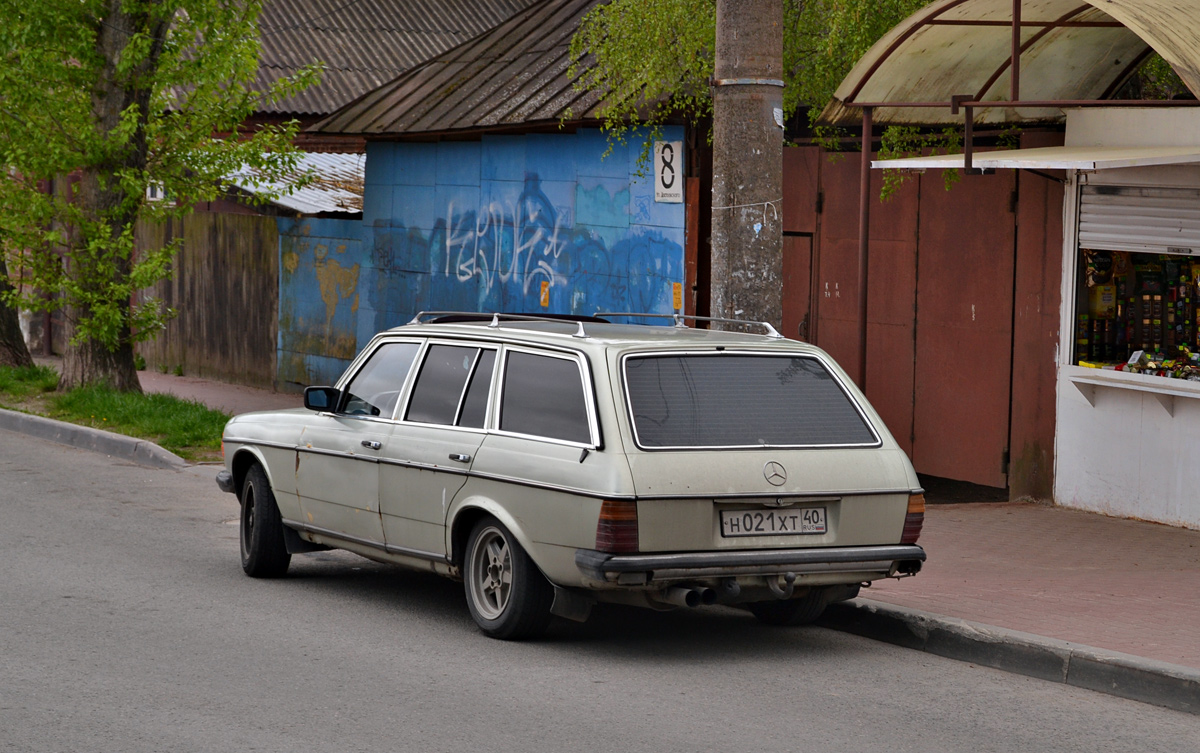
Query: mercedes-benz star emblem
<point x="775" y="473"/>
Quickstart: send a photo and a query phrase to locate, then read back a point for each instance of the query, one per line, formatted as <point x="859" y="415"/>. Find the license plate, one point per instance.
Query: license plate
<point x="781" y="522"/>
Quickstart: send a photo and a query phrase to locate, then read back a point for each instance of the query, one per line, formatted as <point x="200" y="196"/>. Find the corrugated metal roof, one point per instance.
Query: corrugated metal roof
<point x="363" y="43"/>
<point x="1071" y="50"/>
<point x="337" y="185"/>
<point x="514" y="74"/>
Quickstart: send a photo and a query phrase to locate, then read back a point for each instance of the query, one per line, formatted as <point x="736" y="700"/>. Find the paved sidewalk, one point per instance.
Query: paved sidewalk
<point x="231" y="398"/>
<point x="1123" y="585"/>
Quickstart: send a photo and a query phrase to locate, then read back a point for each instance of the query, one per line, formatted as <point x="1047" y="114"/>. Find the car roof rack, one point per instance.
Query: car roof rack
<point x="679" y="320"/>
<point x="494" y="319"/>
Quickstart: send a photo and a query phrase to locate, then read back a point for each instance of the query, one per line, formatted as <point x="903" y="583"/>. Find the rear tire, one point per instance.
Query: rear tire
<point x="264" y="553"/>
<point x="791" y="612"/>
<point x="508" y="596"/>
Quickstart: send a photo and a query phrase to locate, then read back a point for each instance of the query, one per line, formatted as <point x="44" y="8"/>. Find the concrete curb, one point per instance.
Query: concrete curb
<point x="85" y="438"/>
<point x="1118" y="674"/>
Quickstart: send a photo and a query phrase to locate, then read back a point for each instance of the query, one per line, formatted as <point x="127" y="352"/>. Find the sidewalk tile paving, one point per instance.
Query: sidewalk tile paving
<point x="1122" y="585"/>
<point x="231" y="398"/>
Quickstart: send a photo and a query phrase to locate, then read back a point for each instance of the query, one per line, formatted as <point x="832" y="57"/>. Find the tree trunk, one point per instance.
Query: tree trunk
<point x="747" y="194"/>
<point x="13" y="350"/>
<point x="103" y="198"/>
<point x="91" y="363"/>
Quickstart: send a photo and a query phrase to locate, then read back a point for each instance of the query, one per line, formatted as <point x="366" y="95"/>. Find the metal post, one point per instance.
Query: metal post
<point x="1015" y="65"/>
<point x="968" y="138"/>
<point x="864" y="241"/>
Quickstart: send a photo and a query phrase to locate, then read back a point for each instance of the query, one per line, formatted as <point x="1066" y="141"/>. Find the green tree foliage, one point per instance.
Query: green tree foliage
<point x="1156" y="79"/>
<point x="101" y="100"/>
<point x="654" y="58"/>
<point x="827" y="38"/>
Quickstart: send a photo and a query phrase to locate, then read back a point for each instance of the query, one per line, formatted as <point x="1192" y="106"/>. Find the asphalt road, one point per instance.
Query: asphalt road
<point x="127" y="625"/>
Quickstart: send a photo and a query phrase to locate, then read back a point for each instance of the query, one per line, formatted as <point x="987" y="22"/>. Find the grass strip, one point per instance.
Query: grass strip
<point x="27" y="381"/>
<point x="185" y="427"/>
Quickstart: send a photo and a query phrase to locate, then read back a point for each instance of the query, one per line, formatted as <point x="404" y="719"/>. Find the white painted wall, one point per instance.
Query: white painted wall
<point x="1133" y="126"/>
<point x="1127" y="455"/>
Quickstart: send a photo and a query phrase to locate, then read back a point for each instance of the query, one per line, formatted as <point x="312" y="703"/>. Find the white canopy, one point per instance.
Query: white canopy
<point x="1055" y="158"/>
<point x="1070" y="50"/>
<point x="1096" y="139"/>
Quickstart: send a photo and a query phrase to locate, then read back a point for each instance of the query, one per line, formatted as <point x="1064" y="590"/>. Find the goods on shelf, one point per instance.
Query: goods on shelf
<point x="1139" y="314"/>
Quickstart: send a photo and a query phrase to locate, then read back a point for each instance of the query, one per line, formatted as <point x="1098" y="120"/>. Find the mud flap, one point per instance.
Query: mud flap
<point x="570" y="605"/>
<point x="297" y="545"/>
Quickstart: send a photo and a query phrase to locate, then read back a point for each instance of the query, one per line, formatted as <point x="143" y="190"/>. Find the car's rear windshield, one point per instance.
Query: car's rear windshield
<point x="740" y="400"/>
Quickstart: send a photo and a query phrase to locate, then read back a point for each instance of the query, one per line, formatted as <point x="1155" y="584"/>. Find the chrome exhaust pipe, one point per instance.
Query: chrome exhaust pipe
<point x="682" y="597"/>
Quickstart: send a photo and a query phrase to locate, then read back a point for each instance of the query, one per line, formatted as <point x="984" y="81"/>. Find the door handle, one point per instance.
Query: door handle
<point x="370" y="444"/>
<point x="459" y="457"/>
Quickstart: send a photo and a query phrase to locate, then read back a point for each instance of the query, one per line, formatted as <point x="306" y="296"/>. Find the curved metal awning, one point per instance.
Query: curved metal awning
<point x="1069" y="50"/>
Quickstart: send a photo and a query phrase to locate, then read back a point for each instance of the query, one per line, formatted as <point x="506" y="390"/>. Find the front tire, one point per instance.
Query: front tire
<point x="264" y="553"/>
<point x="508" y="596"/>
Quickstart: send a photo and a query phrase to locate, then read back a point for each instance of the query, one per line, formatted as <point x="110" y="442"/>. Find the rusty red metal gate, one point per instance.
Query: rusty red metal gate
<point x="963" y="368"/>
<point x="940" y="347"/>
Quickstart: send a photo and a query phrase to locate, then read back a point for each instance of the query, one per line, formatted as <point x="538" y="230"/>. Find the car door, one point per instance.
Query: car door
<point x="427" y="458"/>
<point x="337" y="459"/>
<point x="545" y="428"/>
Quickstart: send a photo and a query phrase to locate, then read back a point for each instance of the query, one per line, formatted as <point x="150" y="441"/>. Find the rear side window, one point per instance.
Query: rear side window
<point x="375" y="389"/>
<point x="544" y="397"/>
<point x="474" y="408"/>
<point x="442" y="392"/>
<point x="736" y="400"/>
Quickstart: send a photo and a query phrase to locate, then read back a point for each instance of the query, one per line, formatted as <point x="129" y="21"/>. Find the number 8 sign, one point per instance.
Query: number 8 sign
<point x="668" y="171"/>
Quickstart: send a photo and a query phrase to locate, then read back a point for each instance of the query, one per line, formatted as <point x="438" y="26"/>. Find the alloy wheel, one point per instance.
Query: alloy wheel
<point x="491" y="573"/>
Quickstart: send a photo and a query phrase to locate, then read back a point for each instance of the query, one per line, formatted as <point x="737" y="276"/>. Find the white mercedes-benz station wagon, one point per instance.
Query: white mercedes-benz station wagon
<point x="551" y="464"/>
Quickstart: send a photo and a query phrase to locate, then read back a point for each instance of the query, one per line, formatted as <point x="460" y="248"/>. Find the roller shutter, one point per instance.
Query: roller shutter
<point x="1137" y="218"/>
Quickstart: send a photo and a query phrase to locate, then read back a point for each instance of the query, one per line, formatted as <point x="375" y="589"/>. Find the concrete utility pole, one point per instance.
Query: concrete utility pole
<point x="747" y="229"/>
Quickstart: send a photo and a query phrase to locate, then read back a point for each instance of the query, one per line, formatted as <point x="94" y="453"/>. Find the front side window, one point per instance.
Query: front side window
<point x="544" y="397"/>
<point x="740" y="400"/>
<point x="375" y="389"/>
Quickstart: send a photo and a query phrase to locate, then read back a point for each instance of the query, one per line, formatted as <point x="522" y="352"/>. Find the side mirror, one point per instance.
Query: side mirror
<point x="321" y="398"/>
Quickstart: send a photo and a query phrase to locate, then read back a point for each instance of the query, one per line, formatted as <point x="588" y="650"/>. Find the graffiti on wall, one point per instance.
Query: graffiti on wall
<point x="498" y="243"/>
<point x="521" y="223"/>
<point x="500" y="255"/>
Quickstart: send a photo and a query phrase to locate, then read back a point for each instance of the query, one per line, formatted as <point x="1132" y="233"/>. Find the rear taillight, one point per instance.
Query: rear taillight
<point x="913" y="519"/>
<point x="617" y="529"/>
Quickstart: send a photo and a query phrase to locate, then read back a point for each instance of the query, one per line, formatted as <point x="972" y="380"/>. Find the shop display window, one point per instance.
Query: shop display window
<point x="1138" y="312"/>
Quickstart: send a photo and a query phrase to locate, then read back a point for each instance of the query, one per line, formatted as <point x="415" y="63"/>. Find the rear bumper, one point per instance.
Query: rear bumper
<point x="650" y="568"/>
